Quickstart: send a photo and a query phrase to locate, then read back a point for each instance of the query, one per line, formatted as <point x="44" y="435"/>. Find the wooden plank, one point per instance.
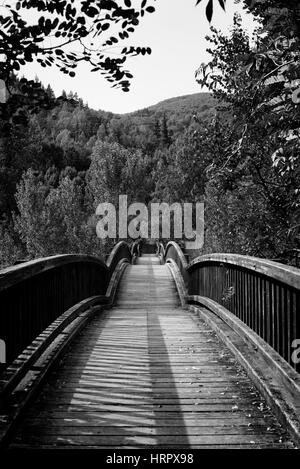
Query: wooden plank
<point x="117" y="430"/>
<point x="90" y="421"/>
<point x="69" y="446"/>
<point x="145" y="440"/>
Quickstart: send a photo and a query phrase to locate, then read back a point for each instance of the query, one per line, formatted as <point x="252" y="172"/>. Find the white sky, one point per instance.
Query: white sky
<point x="176" y="33"/>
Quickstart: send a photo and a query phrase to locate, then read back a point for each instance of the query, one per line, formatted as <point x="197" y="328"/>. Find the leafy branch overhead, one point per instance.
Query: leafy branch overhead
<point x="65" y="33"/>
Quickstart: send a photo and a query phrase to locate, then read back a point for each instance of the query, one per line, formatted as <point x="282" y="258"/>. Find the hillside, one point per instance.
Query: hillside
<point x="199" y="104"/>
<point x="178" y="113"/>
<point x="197" y="101"/>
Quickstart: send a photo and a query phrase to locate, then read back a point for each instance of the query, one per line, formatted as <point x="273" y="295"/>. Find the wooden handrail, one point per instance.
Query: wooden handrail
<point x="177" y="248"/>
<point x="120" y="250"/>
<point x="17" y="273"/>
<point x="283" y="273"/>
<point x="34" y="294"/>
<point x="174" y="251"/>
<point x="161" y="250"/>
<point x="264" y="294"/>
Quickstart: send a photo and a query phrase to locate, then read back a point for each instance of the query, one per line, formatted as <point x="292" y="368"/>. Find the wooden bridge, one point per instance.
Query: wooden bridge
<point x="150" y="352"/>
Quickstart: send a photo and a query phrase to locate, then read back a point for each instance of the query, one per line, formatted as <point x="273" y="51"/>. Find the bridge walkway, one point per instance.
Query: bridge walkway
<point x="147" y="373"/>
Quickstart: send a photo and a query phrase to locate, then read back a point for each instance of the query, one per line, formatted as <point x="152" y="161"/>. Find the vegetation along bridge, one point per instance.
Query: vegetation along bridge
<point x="150" y="351"/>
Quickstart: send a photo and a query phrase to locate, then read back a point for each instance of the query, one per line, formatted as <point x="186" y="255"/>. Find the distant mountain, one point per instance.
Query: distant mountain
<point x="179" y="113"/>
<point x="197" y="101"/>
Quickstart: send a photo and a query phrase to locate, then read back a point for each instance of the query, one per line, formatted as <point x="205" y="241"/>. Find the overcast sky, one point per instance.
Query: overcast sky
<point x="176" y="33"/>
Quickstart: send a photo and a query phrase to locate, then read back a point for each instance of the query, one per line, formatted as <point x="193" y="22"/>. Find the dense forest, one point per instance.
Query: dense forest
<point x="235" y="148"/>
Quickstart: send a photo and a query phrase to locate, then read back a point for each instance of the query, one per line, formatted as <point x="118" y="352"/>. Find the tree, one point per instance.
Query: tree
<point x="50" y="92"/>
<point x="53" y="217"/>
<point x="258" y="97"/>
<point x="116" y="170"/>
<point x="62" y="33"/>
<point x="105" y="175"/>
<point x="11" y="248"/>
<point x="165" y="139"/>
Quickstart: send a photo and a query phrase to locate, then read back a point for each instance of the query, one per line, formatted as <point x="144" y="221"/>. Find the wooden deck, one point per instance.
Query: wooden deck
<point x="147" y="373"/>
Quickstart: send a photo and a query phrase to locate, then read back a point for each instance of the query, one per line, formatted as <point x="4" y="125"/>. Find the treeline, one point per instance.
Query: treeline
<point x="60" y="163"/>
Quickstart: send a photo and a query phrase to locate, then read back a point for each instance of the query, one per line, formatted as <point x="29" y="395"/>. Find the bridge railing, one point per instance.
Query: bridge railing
<point x="121" y="251"/>
<point x="265" y="295"/>
<point x="35" y="293"/>
<point x="161" y="252"/>
<point x="174" y="252"/>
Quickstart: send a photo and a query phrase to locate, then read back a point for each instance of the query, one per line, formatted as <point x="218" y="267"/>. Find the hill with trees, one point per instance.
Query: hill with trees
<point x="50" y="164"/>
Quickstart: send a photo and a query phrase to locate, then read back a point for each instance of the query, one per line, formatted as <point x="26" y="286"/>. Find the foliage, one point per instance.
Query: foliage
<point x="53" y="220"/>
<point x="91" y="26"/>
<point x="210" y="7"/>
<point x="64" y="33"/>
<point x="115" y="170"/>
<point x="11" y="248"/>
<point x="58" y="142"/>
<point x="256" y="82"/>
